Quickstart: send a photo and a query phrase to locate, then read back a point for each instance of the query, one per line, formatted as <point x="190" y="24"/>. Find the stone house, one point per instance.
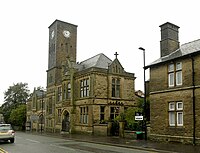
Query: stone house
<point x="80" y="96"/>
<point x="174" y="89"/>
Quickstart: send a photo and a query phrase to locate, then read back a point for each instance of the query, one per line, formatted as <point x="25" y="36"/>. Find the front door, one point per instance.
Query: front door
<point x="66" y="122"/>
<point x="115" y="129"/>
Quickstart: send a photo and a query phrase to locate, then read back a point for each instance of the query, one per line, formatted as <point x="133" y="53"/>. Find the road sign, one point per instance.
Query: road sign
<point x="138" y="116"/>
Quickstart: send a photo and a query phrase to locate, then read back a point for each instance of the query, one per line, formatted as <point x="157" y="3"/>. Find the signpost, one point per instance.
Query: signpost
<point x="138" y="116"/>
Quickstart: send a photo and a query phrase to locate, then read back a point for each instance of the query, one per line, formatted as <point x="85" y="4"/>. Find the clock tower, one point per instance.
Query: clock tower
<point x="62" y="44"/>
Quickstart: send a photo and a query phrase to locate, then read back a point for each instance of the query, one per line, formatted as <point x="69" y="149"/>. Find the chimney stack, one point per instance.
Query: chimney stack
<point x="169" y="38"/>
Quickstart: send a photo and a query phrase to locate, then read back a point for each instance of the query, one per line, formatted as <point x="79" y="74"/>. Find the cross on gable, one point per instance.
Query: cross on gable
<point x="116" y="54"/>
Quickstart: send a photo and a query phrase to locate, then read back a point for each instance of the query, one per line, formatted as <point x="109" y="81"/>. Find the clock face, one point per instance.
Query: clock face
<point x="66" y="33"/>
<point x="52" y="34"/>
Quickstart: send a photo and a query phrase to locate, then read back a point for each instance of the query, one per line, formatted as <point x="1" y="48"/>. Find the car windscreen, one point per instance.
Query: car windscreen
<point x="5" y="127"/>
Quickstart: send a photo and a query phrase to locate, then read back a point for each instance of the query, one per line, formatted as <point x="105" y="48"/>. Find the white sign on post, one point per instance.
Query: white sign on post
<point x="138" y="116"/>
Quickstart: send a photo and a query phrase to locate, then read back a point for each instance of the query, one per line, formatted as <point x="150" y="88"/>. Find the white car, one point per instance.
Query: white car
<point x="7" y="133"/>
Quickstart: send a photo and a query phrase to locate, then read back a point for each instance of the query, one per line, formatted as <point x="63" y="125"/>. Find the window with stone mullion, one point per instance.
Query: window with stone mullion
<point x="114" y="112"/>
<point x="84" y="115"/>
<point x="172" y="118"/>
<point x="178" y="73"/>
<point x="115" y="87"/>
<point x="176" y="114"/>
<point x="59" y="93"/>
<point x="50" y="105"/>
<point x="68" y="90"/>
<point x="59" y="115"/>
<point x="175" y="74"/>
<point x="118" y="88"/>
<point x="64" y="92"/>
<point x="171" y="75"/>
<point x="102" y="113"/>
<point x="85" y="88"/>
<point x="82" y="87"/>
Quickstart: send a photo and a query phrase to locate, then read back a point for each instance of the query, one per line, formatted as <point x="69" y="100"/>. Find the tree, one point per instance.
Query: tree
<point x="141" y="105"/>
<point x="18" y="116"/>
<point x="13" y="97"/>
<point x="131" y="124"/>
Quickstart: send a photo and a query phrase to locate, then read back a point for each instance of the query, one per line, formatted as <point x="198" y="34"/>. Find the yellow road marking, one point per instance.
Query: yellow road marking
<point x="3" y="151"/>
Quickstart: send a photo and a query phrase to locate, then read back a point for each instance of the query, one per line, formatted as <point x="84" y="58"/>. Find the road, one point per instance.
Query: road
<point x="28" y="143"/>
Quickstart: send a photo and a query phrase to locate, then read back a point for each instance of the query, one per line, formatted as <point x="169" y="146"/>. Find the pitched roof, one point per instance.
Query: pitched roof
<point x="99" y="61"/>
<point x="185" y="49"/>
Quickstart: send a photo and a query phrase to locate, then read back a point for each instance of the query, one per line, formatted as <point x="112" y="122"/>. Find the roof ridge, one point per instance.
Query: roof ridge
<point x="100" y="61"/>
<point x="102" y="55"/>
<point x="190" y="42"/>
<point x="182" y="45"/>
<point x="91" y="57"/>
<point x="183" y="50"/>
<point x="170" y="53"/>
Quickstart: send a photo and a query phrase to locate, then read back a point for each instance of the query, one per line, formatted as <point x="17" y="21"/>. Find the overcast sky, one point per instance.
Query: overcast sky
<point x="104" y="26"/>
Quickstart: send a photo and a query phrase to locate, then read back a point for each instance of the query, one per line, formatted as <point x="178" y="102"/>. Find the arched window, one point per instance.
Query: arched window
<point x="68" y="90"/>
<point x="115" y="87"/>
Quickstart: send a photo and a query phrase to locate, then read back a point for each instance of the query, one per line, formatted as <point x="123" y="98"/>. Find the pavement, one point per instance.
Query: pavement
<point x="148" y="145"/>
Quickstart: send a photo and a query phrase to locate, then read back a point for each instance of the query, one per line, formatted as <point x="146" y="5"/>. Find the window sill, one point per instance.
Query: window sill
<point x="175" y="86"/>
<point x="82" y="124"/>
<point x="176" y="127"/>
<point x="117" y="98"/>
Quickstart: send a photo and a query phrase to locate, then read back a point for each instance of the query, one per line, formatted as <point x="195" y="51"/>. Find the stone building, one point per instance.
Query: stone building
<point x="174" y="89"/>
<point x="80" y="96"/>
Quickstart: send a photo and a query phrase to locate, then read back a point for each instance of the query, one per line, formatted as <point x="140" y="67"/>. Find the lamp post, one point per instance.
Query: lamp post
<point x="42" y="116"/>
<point x="145" y="126"/>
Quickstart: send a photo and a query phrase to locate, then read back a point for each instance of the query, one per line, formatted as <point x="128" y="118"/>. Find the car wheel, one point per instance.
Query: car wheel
<point x="12" y="140"/>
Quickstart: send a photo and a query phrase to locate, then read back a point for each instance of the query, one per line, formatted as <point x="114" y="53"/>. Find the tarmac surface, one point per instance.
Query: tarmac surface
<point x="131" y="143"/>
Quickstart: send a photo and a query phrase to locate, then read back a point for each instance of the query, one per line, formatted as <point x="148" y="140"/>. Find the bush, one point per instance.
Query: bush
<point x="131" y="124"/>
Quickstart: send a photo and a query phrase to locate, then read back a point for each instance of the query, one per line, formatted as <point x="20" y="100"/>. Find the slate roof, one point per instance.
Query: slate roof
<point x="98" y="61"/>
<point x="185" y="49"/>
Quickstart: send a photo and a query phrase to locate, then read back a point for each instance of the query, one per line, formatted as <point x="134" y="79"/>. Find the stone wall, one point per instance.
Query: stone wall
<point x="160" y="117"/>
<point x="100" y="86"/>
<point x="161" y="94"/>
<point x="100" y="129"/>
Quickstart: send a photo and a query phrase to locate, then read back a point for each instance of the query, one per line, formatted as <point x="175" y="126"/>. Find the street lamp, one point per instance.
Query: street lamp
<point x="42" y="115"/>
<point x="145" y="126"/>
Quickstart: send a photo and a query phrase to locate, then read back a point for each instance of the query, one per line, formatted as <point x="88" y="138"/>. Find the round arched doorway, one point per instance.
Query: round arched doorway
<point x="66" y="122"/>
